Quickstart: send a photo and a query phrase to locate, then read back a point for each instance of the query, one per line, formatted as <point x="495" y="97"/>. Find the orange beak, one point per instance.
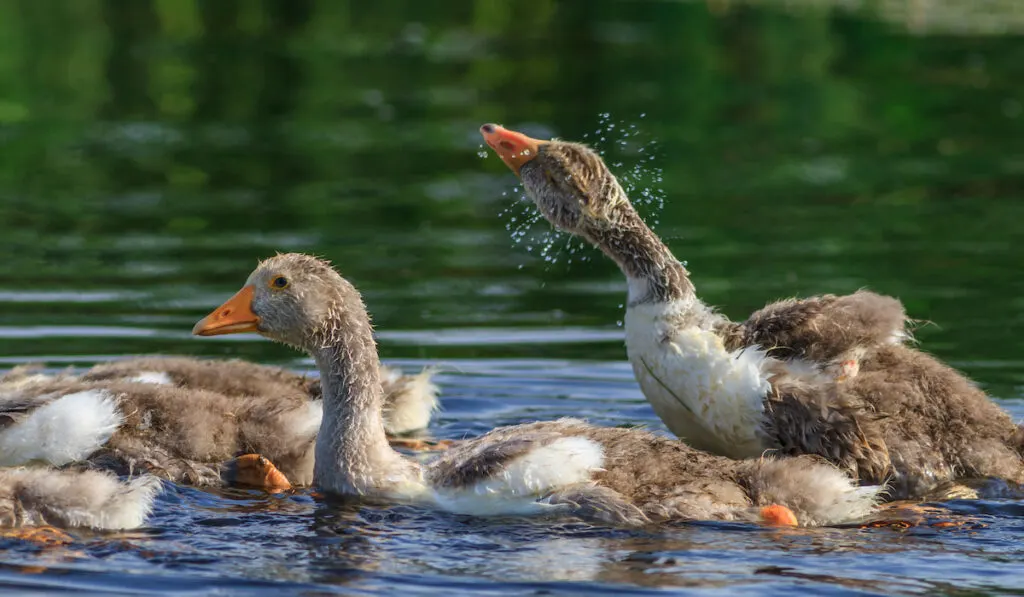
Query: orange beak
<point x="233" y="317"/>
<point x="515" y="149"/>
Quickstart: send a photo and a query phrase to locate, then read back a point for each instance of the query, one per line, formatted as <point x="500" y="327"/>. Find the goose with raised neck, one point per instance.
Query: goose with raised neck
<point x="828" y="375"/>
<point x="626" y="476"/>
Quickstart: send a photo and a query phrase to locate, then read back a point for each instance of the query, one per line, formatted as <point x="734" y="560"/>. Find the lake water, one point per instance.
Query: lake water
<point x="153" y="150"/>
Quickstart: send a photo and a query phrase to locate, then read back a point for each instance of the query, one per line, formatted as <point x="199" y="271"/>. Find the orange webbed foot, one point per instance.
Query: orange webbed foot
<point x="47" y="536"/>
<point x="777" y="515"/>
<point x="253" y="470"/>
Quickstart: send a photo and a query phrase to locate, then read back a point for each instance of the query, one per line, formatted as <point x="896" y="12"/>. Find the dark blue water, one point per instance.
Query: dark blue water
<point x="152" y="151"/>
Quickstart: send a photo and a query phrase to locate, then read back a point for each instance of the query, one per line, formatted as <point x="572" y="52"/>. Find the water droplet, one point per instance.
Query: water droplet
<point x="636" y="174"/>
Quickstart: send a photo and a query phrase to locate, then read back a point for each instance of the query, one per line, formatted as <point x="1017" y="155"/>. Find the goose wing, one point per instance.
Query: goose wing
<point x="823" y="328"/>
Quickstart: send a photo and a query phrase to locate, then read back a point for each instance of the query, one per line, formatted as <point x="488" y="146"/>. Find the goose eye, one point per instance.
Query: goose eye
<point x="279" y="283"/>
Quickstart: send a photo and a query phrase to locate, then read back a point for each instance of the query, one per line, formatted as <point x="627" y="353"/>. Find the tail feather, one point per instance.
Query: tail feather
<point x="410" y="400"/>
<point x="86" y="498"/>
<point x="66" y="429"/>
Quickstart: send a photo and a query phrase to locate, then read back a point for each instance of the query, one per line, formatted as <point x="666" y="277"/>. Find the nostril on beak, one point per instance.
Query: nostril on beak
<point x="225" y="312"/>
<point x="488" y="129"/>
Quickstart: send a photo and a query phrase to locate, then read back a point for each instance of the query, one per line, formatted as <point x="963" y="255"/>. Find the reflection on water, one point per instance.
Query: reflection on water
<point x="932" y="17"/>
<point x="153" y="150"/>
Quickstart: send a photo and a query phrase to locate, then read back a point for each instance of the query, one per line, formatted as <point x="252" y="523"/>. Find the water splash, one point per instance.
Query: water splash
<point x="527" y="227"/>
<point x="632" y="155"/>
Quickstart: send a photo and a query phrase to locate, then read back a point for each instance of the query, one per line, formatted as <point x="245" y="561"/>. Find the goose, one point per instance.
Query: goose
<point x="193" y="421"/>
<point x="614" y="475"/>
<point x="185" y="435"/>
<point x="829" y="375"/>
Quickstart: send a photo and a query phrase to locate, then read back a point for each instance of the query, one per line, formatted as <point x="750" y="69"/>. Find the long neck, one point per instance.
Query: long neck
<point x="352" y="451"/>
<point x="653" y="272"/>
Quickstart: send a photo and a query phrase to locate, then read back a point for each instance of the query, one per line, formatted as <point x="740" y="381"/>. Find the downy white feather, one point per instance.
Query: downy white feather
<point x="517" y="489"/>
<point x="91" y="499"/>
<point x="64" y="430"/>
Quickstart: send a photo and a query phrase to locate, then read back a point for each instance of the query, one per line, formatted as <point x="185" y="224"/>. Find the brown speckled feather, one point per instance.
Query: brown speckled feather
<point x="230" y="377"/>
<point x="408" y="399"/>
<point x="939" y="426"/>
<point x="821" y="328"/>
<point x="827" y="420"/>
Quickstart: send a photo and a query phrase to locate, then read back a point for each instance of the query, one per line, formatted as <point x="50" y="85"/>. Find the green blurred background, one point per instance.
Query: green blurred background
<point x="152" y="150"/>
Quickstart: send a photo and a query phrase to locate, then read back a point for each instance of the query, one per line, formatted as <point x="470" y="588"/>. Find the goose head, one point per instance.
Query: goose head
<point x="291" y="298"/>
<point x="570" y="184"/>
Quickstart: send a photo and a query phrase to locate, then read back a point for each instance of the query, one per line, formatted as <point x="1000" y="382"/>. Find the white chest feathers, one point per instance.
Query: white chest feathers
<point x="706" y="395"/>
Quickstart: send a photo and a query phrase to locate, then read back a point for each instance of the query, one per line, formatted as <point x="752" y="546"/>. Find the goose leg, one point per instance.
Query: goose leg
<point x="253" y="470"/>
<point x="42" y="535"/>
<point x="597" y="503"/>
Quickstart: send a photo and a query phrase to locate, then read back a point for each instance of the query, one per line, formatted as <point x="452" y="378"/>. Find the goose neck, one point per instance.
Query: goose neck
<point x="652" y="271"/>
<point x="352" y="451"/>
